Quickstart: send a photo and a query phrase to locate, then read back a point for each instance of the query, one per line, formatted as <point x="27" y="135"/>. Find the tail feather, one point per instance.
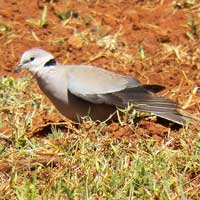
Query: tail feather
<point x="144" y="100"/>
<point x="174" y="117"/>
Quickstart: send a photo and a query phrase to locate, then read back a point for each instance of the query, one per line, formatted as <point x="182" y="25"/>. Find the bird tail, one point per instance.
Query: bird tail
<point x="179" y="117"/>
<point x="174" y="117"/>
<point x="166" y="110"/>
<point x="146" y="101"/>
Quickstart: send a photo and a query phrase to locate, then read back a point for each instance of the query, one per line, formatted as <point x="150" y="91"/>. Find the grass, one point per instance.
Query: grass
<point x="42" y="21"/>
<point x="85" y="162"/>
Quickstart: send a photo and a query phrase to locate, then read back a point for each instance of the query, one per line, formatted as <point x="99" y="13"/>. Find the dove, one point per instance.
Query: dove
<point x="81" y="90"/>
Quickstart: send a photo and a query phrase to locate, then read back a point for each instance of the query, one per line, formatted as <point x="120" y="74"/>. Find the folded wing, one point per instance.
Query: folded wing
<point x="100" y="86"/>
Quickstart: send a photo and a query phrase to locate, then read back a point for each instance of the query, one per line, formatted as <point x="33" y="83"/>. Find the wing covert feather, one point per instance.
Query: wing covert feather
<point x="89" y="81"/>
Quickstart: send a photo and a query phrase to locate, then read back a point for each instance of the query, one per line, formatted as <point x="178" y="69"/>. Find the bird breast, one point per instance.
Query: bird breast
<point x="54" y="88"/>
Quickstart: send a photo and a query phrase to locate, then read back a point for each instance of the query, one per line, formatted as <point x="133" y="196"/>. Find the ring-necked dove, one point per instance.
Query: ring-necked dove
<point x="79" y="90"/>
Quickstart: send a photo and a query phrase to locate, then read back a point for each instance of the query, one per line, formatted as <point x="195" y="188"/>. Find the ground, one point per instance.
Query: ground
<point x="156" y="42"/>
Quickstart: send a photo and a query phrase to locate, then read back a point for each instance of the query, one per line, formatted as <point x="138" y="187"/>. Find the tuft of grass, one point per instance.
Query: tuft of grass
<point x="141" y="53"/>
<point x="109" y="42"/>
<point x="65" y="15"/>
<point x="4" y="28"/>
<point x="194" y="31"/>
<point x="15" y="101"/>
<point x="59" y="41"/>
<point x="180" y="4"/>
<point x="42" y="22"/>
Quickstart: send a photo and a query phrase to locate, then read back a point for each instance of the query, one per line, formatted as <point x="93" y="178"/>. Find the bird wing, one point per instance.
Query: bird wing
<point x="92" y="83"/>
<point x="100" y="86"/>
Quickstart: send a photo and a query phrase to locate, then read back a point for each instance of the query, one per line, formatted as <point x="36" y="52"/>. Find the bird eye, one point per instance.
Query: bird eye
<point x="32" y="58"/>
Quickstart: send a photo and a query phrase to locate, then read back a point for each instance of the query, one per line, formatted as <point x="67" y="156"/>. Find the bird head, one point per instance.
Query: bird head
<point x="35" y="59"/>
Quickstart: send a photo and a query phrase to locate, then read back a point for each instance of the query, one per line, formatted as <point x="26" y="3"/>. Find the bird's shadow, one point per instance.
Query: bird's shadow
<point x="164" y="122"/>
<point x="169" y="124"/>
<point x="46" y="130"/>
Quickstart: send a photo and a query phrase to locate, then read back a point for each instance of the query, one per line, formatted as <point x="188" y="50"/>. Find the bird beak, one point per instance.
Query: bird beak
<point x="18" y="68"/>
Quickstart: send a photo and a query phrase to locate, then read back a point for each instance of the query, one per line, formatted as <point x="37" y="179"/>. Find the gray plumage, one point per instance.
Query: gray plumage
<point x="77" y="90"/>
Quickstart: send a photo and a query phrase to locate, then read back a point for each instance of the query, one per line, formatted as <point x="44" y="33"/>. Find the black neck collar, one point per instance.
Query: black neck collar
<point x="51" y="62"/>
